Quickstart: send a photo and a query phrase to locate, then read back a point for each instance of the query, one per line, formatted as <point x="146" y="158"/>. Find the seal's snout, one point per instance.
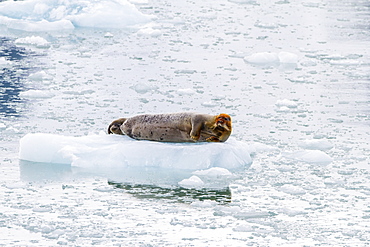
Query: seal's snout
<point x="224" y="121"/>
<point x="115" y="126"/>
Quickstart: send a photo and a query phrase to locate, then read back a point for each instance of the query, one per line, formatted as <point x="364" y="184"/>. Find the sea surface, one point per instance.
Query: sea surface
<point x="293" y="75"/>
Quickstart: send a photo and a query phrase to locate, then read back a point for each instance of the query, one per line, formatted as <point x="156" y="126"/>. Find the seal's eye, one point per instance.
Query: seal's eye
<point x="227" y="119"/>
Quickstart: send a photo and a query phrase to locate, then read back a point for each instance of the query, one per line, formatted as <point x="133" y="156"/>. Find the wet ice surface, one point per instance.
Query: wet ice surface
<point x="294" y="77"/>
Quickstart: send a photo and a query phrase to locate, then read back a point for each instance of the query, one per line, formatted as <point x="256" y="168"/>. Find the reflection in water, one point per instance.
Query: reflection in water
<point x="12" y="71"/>
<point x="176" y="194"/>
<point x="35" y="171"/>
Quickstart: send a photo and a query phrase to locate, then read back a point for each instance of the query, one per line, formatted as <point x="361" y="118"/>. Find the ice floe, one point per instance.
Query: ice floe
<point x="34" y="94"/>
<point x="192" y="182"/>
<point x="121" y="151"/>
<point x="272" y="58"/>
<point x="286" y="103"/>
<point x="50" y="15"/>
<point x="316" y="144"/>
<point x="37" y="41"/>
<point x="310" y="156"/>
<point x="122" y="159"/>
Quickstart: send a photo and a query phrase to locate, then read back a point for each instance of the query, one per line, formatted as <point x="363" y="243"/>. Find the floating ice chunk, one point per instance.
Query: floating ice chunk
<point x="283" y="109"/>
<point x="258" y="147"/>
<point x="316" y="144"/>
<point x="252" y="2"/>
<point x="262" y="58"/>
<point x="37" y="41"/>
<point x="204" y="204"/>
<point x="42" y="209"/>
<point x="138" y="2"/>
<point x="4" y="62"/>
<point x="310" y="156"/>
<point x="144" y="88"/>
<point x="210" y="104"/>
<point x="252" y="214"/>
<point x="292" y="189"/>
<point x="346" y="62"/>
<point x="308" y="63"/>
<point x="288" y="57"/>
<point x="266" y="25"/>
<point x="104" y="189"/>
<point x="185" y="71"/>
<point x="108" y="35"/>
<point x="35" y="26"/>
<point x="47" y="15"/>
<point x="119" y="152"/>
<point x="272" y="58"/>
<point x="148" y="31"/>
<point x="38" y="76"/>
<point x="185" y="91"/>
<point x="243" y="228"/>
<point x="192" y="182"/>
<point x="36" y="94"/>
<point x="213" y="172"/>
<point x="55" y="234"/>
<point x="218" y="97"/>
<point x="16" y="185"/>
<point x="291" y="212"/>
<point x="286" y="103"/>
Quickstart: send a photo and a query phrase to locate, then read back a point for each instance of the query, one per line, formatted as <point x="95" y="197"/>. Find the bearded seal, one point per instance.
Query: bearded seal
<point x="174" y="127"/>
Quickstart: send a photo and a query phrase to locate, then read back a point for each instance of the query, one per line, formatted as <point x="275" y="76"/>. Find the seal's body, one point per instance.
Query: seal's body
<point x="175" y="127"/>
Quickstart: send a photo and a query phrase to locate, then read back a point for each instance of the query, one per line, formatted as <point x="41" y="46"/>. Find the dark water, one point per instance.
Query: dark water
<point x="176" y="194"/>
<point x="12" y="77"/>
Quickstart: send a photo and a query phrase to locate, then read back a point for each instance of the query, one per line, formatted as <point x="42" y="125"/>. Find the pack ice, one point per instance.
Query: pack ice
<point x="51" y="15"/>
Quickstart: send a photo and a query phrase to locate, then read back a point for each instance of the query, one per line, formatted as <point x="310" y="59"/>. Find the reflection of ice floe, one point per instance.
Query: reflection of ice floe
<point x="47" y="15"/>
<point x="177" y="194"/>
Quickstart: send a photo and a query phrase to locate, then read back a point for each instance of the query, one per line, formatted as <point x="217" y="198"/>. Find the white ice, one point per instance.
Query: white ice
<point x="310" y="156"/>
<point x="282" y="57"/>
<point x="51" y="15"/>
<point x="37" y="41"/>
<point x="104" y="152"/>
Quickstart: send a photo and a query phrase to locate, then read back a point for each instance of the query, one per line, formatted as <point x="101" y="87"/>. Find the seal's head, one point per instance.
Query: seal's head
<point x="114" y="127"/>
<point x="223" y="121"/>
